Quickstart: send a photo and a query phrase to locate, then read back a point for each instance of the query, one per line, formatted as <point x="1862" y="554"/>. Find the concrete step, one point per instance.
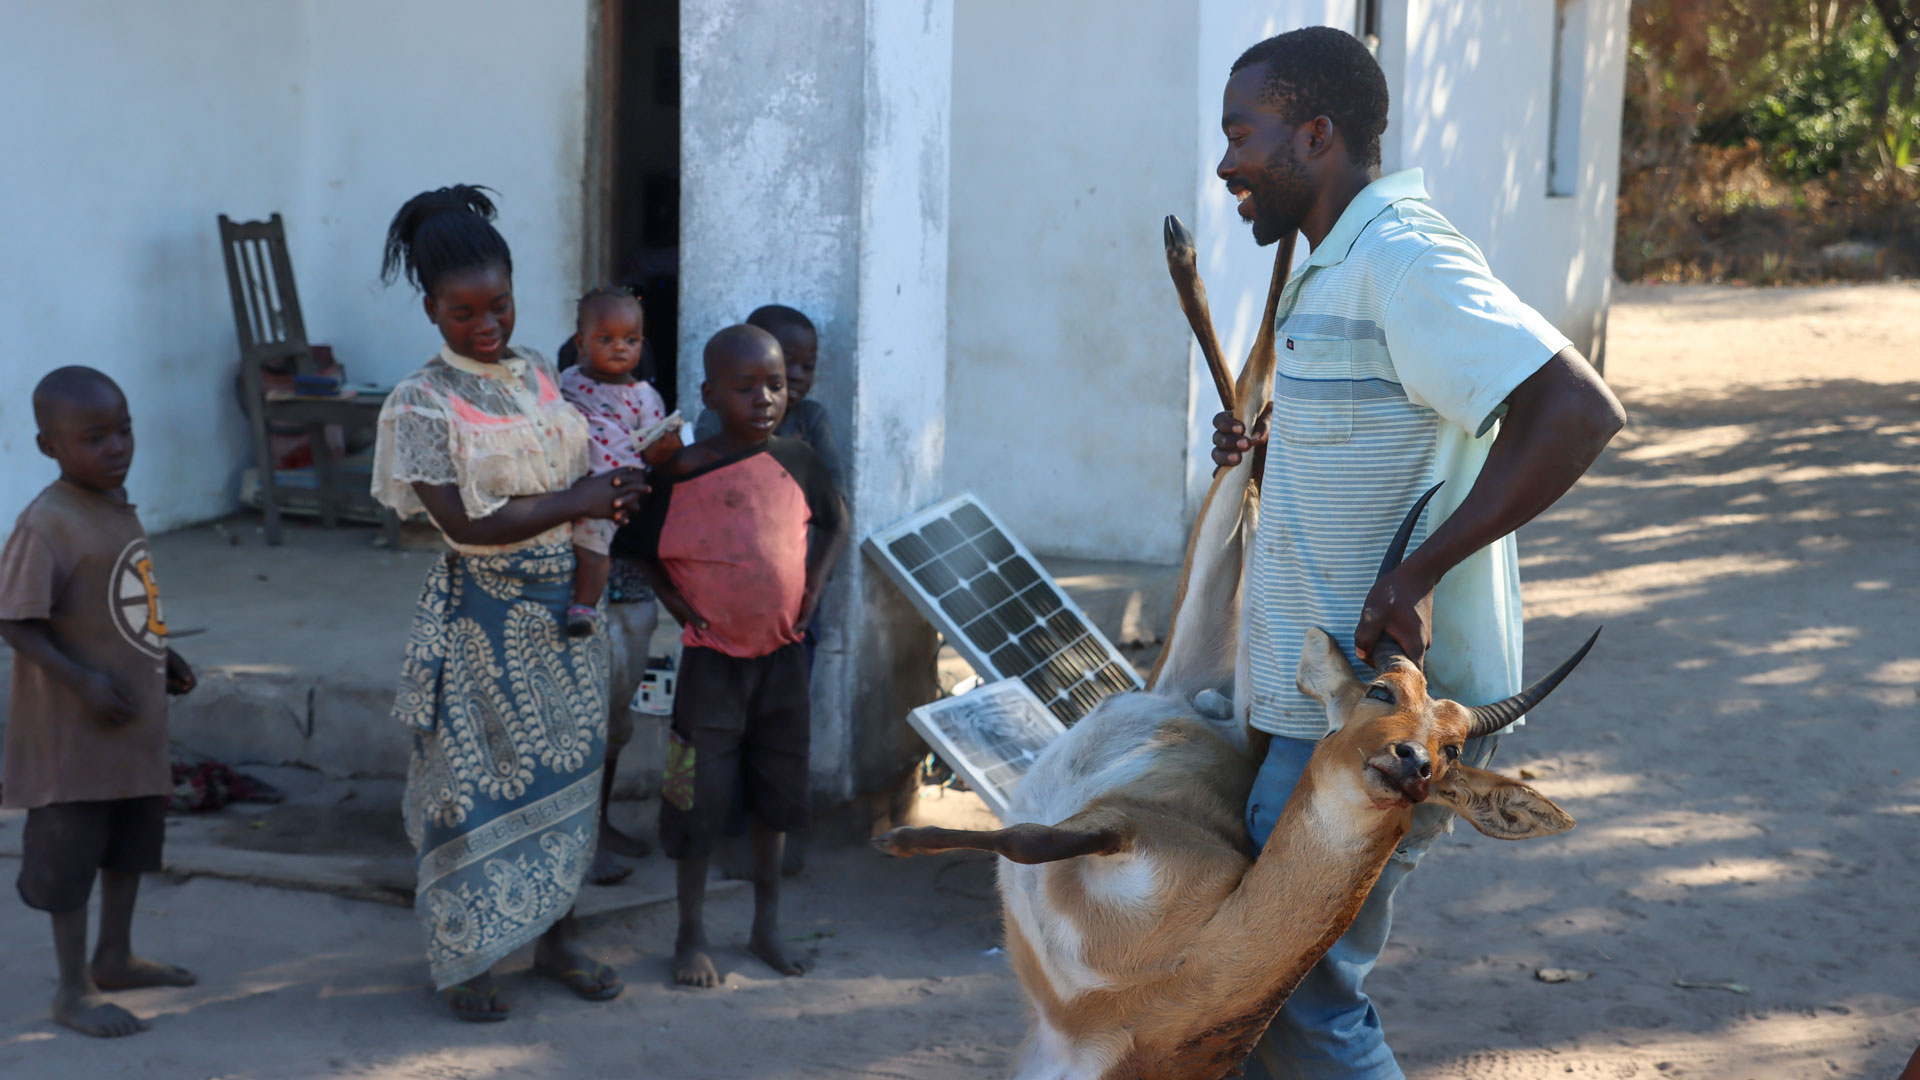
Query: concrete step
<point x="344" y="837"/>
<point x="298" y="647"/>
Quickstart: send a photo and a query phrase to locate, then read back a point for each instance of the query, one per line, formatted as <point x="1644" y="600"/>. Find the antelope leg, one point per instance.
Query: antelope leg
<point x="1199" y="642"/>
<point x="1256" y="375"/>
<point x="1021" y="843"/>
<point x="1182" y="264"/>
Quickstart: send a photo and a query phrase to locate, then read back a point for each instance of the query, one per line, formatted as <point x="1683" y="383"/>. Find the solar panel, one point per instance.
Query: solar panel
<point x="999" y="608"/>
<point x="990" y="736"/>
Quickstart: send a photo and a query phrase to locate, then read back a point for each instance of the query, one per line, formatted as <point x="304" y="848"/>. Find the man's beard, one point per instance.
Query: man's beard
<point x="1281" y="197"/>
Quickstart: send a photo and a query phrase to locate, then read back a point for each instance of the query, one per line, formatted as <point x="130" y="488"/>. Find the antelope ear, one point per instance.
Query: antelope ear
<point x="1325" y="675"/>
<point x="1503" y="809"/>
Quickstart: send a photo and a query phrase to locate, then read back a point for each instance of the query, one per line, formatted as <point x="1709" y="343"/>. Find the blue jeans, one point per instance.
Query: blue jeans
<point x="1328" y="1028"/>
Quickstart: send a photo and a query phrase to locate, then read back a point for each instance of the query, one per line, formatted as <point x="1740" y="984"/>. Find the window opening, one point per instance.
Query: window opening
<point x="1569" y="96"/>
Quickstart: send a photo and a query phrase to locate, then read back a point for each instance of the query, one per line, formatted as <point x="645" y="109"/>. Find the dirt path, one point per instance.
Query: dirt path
<point x="1740" y="752"/>
<point x="1743" y="760"/>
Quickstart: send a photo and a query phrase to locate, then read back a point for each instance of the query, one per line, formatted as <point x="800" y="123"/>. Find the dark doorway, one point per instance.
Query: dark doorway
<point x="641" y="96"/>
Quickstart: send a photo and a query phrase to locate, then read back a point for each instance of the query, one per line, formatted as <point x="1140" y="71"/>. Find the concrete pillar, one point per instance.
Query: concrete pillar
<point x="814" y="174"/>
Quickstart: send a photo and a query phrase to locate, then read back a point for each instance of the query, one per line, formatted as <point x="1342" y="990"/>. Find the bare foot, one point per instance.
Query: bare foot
<point x="691" y="964"/>
<point x="607" y="870"/>
<point x="620" y="843"/>
<point x="561" y="960"/>
<point x="137" y="974"/>
<point x="90" y="1014"/>
<point x="768" y="947"/>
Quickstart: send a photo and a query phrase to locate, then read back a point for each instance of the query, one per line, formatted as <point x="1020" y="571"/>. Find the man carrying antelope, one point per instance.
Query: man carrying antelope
<point x="1401" y="361"/>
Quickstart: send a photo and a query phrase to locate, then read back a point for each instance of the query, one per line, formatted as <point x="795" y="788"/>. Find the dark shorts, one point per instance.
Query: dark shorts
<point x="738" y="725"/>
<point x="65" y="844"/>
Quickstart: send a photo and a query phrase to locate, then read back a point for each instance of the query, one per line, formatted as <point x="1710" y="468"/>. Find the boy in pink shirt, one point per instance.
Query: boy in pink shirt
<point x="724" y="538"/>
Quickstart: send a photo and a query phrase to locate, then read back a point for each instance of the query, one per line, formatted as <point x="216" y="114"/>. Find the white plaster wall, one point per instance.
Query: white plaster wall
<point x="131" y="127"/>
<point x="1236" y="270"/>
<point x="813" y="142"/>
<point x="1068" y="386"/>
<point x="1474" y="113"/>
<point x="128" y="128"/>
<point x="391" y="117"/>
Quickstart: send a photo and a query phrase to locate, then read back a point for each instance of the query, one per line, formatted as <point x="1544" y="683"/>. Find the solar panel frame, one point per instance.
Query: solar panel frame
<point x="990" y="735"/>
<point x="1010" y="619"/>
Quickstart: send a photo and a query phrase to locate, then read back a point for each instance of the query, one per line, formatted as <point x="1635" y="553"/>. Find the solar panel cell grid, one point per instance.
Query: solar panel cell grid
<point x="972" y="520"/>
<point x="994" y="546"/>
<point x="936" y="578"/>
<point x="1115" y="680"/>
<point x="967" y="561"/>
<point x="1019" y="572"/>
<point x="941" y="535"/>
<point x="980" y="585"/>
<point x="962" y="606"/>
<point x="992" y="591"/>
<point x="912" y="551"/>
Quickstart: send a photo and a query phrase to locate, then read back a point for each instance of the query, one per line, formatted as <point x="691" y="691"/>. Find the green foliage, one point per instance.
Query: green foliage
<point x="1759" y="134"/>
<point x="1814" y="112"/>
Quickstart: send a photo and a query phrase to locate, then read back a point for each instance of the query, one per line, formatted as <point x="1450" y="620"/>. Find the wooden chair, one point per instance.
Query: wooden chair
<point x="273" y="337"/>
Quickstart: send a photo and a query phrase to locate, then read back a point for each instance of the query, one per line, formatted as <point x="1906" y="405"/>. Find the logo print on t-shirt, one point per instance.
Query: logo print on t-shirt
<point x="135" y="603"/>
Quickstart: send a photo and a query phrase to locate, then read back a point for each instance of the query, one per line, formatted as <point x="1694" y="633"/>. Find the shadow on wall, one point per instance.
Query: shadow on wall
<point x="1484" y="77"/>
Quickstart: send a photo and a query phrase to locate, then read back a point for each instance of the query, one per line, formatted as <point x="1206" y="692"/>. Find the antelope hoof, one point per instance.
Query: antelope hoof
<point x="1179" y="241"/>
<point x="886" y="844"/>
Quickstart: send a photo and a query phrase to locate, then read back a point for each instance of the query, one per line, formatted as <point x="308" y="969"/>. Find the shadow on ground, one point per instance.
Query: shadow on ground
<point x="1739" y="751"/>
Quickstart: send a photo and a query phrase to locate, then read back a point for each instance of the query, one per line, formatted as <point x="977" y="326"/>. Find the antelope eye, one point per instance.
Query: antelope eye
<point x="1380" y="693"/>
<point x="1453" y="753"/>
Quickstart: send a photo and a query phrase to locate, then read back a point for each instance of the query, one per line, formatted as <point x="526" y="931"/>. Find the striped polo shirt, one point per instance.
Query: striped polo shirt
<point x="1396" y="350"/>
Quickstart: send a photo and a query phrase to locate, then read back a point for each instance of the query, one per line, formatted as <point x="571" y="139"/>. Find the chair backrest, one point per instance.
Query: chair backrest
<point x="266" y="307"/>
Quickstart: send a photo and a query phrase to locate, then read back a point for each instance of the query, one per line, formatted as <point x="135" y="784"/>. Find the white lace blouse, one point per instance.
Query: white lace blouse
<point x="492" y="430"/>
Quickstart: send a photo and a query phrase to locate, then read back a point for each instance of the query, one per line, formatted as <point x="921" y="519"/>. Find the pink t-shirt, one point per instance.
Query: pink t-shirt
<point x="615" y="412"/>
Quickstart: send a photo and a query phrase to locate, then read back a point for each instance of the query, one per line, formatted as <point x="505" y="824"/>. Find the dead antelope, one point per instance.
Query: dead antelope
<point x="1151" y="939"/>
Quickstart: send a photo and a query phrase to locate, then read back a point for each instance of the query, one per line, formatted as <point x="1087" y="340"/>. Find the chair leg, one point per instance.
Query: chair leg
<point x="323" y="482"/>
<point x="269" y="491"/>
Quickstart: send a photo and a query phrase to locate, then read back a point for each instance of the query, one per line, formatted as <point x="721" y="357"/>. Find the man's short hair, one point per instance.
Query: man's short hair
<point x="1321" y="71"/>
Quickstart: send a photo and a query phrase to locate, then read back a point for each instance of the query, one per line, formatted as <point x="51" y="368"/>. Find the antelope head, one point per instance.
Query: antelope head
<point x="1406" y="743"/>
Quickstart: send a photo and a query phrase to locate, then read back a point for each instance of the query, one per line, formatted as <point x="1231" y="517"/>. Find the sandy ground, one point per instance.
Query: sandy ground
<point x="1740" y="751"/>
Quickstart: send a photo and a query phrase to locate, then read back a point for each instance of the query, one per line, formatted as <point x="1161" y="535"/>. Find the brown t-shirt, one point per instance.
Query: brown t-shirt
<point x="79" y="560"/>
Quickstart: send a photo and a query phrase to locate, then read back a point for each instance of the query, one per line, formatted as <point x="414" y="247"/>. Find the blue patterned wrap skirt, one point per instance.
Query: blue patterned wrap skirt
<point x="509" y="721"/>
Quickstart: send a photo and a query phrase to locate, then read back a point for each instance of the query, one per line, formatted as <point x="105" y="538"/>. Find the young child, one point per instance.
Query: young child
<point x="628" y="427"/>
<point x="724" y="540"/>
<point x="627" y="420"/>
<point x="806" y="419"/>
<point x="87" y="734"/>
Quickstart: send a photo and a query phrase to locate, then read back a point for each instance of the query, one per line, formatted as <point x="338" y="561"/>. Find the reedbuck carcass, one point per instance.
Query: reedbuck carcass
<point x="1152" y="940"/>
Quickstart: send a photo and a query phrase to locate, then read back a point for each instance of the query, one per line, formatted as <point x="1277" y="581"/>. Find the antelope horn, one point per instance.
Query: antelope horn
<point x="1386" y="650"/>
<point x="1182" y="265"/>
<point x="1488" y="719"/>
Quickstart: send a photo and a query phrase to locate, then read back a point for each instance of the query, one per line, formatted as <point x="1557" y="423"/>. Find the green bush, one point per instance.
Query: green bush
<point x="1815" y="115"/>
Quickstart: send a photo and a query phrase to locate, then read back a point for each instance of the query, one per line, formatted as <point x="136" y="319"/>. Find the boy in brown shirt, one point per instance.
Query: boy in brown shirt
<point x="86" y="749"/>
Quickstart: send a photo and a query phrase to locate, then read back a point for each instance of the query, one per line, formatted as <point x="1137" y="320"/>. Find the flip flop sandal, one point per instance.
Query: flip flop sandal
<point x="590" y="985"/>
<point x="462" y="992"/>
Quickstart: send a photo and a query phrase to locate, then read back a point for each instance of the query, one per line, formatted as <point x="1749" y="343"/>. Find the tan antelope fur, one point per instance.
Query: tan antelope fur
<point x="1150" y="938"/>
